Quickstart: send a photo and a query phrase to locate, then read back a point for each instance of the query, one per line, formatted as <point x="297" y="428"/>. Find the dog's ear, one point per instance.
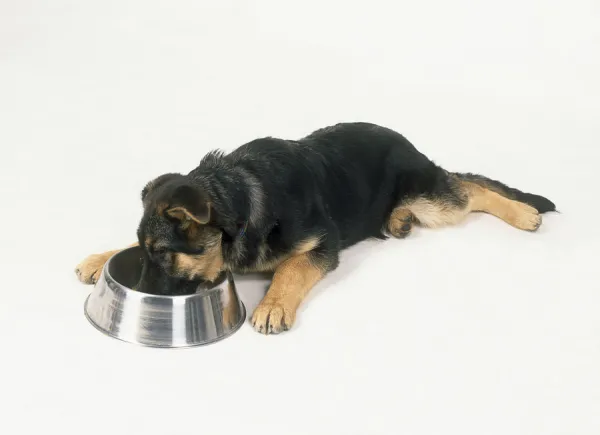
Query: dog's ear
<point x="188" y="204"/>
<point x="183" y="214"/>
<point x="157" y="182"/>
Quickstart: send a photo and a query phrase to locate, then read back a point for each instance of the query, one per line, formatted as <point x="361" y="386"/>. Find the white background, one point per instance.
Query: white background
<point x="476" y="329"/>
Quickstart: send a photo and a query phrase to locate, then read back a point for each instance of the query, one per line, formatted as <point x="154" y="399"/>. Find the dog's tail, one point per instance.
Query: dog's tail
<point x="541" y="204"/>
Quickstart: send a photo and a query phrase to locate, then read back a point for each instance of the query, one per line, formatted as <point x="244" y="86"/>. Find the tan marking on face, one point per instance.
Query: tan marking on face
<point x="292" y="281"/>
<point x="198" y="266"/>
<point x="208" y="265"/>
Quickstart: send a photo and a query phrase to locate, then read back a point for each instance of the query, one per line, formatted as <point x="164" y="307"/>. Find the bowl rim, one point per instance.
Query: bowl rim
<point x="108" y="277"/>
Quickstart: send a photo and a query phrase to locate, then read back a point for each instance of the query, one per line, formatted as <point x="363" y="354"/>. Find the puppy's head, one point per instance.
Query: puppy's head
<point x="181" y="243"/>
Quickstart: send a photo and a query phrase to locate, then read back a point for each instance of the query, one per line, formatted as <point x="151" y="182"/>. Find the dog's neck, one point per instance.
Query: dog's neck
<point x="238" y="200"/>
<point x="237" y="193"/>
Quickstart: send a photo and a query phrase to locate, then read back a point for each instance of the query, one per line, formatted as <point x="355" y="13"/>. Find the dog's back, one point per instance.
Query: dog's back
<point x="351" y="173"/>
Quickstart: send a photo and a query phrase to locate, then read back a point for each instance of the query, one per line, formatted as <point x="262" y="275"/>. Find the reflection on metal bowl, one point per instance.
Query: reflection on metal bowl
<point x="117" y="310"/>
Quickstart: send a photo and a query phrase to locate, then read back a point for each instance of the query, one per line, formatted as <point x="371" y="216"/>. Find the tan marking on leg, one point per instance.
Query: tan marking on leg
<point x="306" y="245"/>
<point x="515" y="213"/>
<point x="434" y="213"/>
<point x="89" y="270"/>
<point x="270" y="264"/>
<point x="400" y="222"/>
<point x="292" y="281"/>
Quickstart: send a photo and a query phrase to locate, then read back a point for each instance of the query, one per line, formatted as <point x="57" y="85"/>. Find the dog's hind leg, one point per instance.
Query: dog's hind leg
<point x="456" y="195"/>
<point x="515" y="213"/>
<point x="89" y="270"/>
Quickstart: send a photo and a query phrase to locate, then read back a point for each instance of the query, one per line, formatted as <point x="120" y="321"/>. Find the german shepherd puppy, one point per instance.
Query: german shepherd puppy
<point x="290" y="206"/>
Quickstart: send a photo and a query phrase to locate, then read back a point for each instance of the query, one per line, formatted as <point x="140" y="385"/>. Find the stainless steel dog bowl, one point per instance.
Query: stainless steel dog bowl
<point x="160" y="321"/>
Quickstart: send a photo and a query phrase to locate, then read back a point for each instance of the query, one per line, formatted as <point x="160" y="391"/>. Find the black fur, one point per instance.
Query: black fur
<point x="338" y="185"/>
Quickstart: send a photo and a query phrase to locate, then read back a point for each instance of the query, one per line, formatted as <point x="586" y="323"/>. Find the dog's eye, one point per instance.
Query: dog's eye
<point x="197" y="251"/>
<point x="192" y="250"/>
<point x="160" y="251"/>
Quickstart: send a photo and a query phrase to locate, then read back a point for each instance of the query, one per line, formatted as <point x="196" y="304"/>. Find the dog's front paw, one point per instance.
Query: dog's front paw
<point x="89" y="270"/>
<point x="273" y="317"/>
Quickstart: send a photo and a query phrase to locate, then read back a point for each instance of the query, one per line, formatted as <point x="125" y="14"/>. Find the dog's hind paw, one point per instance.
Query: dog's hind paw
<point x="400" y="223"/>
<point x="525" y="217"/>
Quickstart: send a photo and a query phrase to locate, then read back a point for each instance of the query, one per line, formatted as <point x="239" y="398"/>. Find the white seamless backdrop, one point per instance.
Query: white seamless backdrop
<point x="471" y="330"/>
